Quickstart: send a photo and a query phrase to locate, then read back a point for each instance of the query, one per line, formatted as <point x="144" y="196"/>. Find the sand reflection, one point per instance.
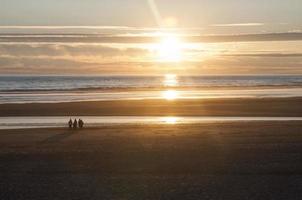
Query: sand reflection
<point x="170" y="120"/>
<point x="170" y="94"/>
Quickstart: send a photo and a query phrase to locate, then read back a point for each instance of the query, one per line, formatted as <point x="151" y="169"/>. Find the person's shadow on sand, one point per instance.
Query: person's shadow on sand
<point x="58" y="137"/>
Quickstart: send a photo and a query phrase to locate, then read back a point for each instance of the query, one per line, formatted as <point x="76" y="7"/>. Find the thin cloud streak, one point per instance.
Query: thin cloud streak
<point x="94" y="38"/>
<point x="66" y="27"/>
<point x="126" y="28"/>
<point x="265" y="55"/>
<point x="239" y="24"/>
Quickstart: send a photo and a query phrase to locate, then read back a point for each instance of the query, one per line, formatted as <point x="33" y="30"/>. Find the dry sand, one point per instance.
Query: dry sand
<point x="236" y="161"/>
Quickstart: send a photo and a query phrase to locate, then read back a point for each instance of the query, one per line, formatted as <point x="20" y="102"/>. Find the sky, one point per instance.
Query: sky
<point x="150" y="37"/>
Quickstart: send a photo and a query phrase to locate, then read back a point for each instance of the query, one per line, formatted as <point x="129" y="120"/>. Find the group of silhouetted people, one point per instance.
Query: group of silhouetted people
<point x="75" y="123"/>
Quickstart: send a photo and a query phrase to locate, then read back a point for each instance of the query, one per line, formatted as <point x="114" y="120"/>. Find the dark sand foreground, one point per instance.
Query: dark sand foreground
<point x="236" y="161"/>
<point x="284" y="107"/>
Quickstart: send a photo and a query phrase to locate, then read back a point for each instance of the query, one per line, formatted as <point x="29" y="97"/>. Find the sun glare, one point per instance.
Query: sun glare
<point x="170" y="49"/>
<point x="170" y="22"/>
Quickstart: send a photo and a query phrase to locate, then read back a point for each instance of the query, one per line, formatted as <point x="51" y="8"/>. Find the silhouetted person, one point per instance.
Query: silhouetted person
<point x="70" y="123"/>
<point x="75" y="124"/>
<point x="81" y="123"/>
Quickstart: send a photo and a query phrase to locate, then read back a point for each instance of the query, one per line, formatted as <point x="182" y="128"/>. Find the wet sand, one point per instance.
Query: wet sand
<point x="284" y="107"/>
<point x="235" y="160"/>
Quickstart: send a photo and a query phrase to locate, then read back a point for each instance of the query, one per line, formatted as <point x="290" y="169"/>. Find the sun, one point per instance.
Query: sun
<point x="170" y="49"/>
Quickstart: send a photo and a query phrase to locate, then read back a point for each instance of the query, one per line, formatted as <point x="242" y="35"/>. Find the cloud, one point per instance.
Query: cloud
<point x="65" y="27"/>
<point x="77" y="30"/>
<point x="58" y="50"/>
<point x="278" y="55"/>
<point x="96" y="38"/>
<point x="260" y="62"/>
<point x="238" y="25"/>
<point x="213" y="65"/>
<point x="53" y="65"/>
<point x="79" y="57"/>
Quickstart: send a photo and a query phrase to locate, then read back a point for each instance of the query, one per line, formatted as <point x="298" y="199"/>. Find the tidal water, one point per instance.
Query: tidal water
<point x="63" y="83"/>
<point x="97" y="121"/>
<point x="39" y="89"/>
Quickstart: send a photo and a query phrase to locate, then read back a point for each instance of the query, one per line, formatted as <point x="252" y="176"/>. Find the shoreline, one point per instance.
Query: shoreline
<point x="124" y="127"/>
<point x="244" y="107"/>
<point x="17" y="123"/>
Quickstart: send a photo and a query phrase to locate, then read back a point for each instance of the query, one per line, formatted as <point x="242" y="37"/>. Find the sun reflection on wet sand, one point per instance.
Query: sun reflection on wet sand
<point x="170" y="95"/>
<point x="170" y="120"/>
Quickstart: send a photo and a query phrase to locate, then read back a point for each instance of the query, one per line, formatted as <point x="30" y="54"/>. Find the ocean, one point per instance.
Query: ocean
<point x="52" y="83"/>
<point x="28" y="89"/>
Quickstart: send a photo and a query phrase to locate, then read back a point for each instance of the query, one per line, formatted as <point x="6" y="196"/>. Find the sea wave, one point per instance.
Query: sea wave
<point x="77" y="83"/>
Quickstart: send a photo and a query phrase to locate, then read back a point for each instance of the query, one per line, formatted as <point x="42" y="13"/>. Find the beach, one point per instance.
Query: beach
<point x="234" y="160"/>
<point x="205" y="142"/>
